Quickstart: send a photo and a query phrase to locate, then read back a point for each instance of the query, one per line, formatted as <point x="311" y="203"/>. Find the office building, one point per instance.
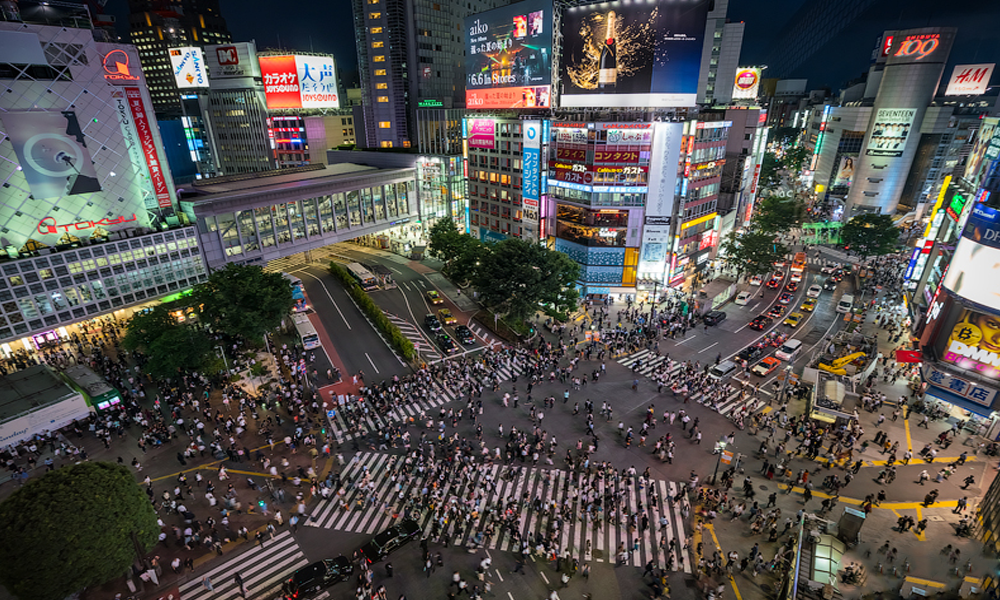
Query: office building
<point x="156" y="26"/>
<point x="720" y="56"/>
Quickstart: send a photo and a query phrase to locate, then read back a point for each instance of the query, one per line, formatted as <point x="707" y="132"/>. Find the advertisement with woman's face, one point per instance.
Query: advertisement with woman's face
<point x="974" y="273"/>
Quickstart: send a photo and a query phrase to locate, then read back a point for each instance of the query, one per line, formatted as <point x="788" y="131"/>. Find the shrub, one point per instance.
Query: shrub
<point x="373" y="312"/>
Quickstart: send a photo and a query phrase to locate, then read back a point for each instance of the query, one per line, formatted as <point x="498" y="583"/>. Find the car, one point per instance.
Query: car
<point x="814" y="291"/>
<point x="464" y="335"/>
<point x="774" y="284"/>
<point x="779" y="264"/>
<point x="750" y="353"/>
<point x="786" y="298"/>
<point x="837" y="275"/>
<point x="794" y="319"/>
<point x="830" y="284"/>
<point x="776" y="311"/>
<point x="434" y="297"/>
<point x="779" y="275"/>
<point x="760" y="322"/>
<point x="796" y="276"/>
<point x="829" y="268"/>
<point x="388" y="541"/>
<point x="766" y="366"/>
<point x="809" y="305"/>
<point x="756" y="280"/>
<point x="743" y="298"/>
<point x="432" y="323"/>
<point x="445" y="316"/>
<point x="312" y="578"/>
<point x="723" y="369"/>
<point x="792" y="286"/>
<point x="714" y="317"/>
<point x="446" y="344"/>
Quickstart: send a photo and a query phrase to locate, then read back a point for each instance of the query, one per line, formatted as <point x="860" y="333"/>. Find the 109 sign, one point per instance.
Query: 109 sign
<point x="919" y="46"/>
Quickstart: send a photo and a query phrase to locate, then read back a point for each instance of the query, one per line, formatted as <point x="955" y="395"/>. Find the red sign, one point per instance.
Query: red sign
<point x="756" y="178"/>
<point x="909" y="356"/>
<point x="615" y="156"/>
<point x="512" y="97"/>
<point x="48" y="225"/>
<point x="227" y="55"/>
<point x="920" y="46"/>
<point x="156" y="175"/>
<point x="281" y="81"/>
<point x="567" y="154"/>
<point x="887" y="45"/>
<point x="116" y="67"/>
<point x="583" y="176"/>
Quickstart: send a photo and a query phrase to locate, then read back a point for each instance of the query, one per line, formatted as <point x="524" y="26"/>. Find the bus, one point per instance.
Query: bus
<point x="307" y="333"/>
<point x="363" y="276"/>
<point x="799" y="262"/>
<point x="383" y="275"/>
<point x="298" y="292"/>
<point x="98" y="393"/>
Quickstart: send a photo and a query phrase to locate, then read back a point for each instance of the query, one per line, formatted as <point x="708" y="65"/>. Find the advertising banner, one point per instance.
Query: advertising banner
<point x="148" y="144"/>
<point x="974" y="343"/>
<point x="299" y="81"/>
<point x="482" y="134"/>
<point x="963" y="388"/>
<point x="632" y="54"/>
<point x="663" y="167"/>
<point x="238" y="59"/>
<point x="746" y="84"/>
<point x="975" y="265"/>
<point x="134" y="148"/>
<point x="985" y="149"/>
<point x="188" y="65"/>
<point x="52" y="152"/>
<point x="889" y="133"/>
<point x="508" y="57"/>
<point x="845" y="174"/>
<point x="532" y="165"/>
<point x="969" y="80"/>
<point x="571" y="136"/>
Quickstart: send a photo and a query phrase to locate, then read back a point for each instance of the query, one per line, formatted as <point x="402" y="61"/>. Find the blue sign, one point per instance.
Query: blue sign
<point x="331" y="414"/>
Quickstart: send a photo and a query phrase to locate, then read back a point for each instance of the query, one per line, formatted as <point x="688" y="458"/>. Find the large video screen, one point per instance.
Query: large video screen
<point x="508" y="57"/>
<point x="299" y="81"/>
<point x="974" y="343"/>
<point x="974" y="273"/>
<point x="632" y="54"/>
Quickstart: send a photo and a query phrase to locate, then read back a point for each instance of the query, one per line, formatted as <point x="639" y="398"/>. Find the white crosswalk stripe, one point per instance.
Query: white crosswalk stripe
<point x="412" y="333"/>
<point x="484" y="334"/>
<point x="593" y="540"/>
<point x="262" y="570"/>
<point x="650" y="362"/>
<point x="366" y="422"/>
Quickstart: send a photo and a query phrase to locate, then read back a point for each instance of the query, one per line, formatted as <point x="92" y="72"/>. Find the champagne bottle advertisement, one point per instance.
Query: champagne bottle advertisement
<point x="635" y="54"/>
<point x="508" y="58"/>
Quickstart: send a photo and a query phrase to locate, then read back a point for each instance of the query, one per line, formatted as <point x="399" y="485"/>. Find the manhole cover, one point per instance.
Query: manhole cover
<point x="934" y="518"/>
<point x="598" y="554"/>
<point x="763" y="487"/>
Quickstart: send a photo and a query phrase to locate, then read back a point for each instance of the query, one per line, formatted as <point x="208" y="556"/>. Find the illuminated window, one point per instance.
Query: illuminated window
<point x="383" y="98"/>
<point x="379" y="58"/>
<point x="376" y="30"/>
<point x="377" y="44"/>
<point x="375" y="15"/>
<point x="380" y="72"/>
<point x="382" y="86"/>
<point x="385" y="124"/>
<point x="386" y="144"/>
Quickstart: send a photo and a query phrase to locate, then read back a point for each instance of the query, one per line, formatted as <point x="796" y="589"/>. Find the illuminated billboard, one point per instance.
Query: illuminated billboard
<point x="52" y="151"/>
<point x="508" y="57"/>
<point x="985" y="149"/>
<point x="974" y="343"/>
<point x="975" y="265"/>
<point x="845" y="174"/>
<point x="188" y="65"/>
<point x="746" y="84"/>
<point x="227" y="61"/>
<point x="892" y="127"/>
<point x="969" y="80"/>
<point x="632" y="54"/>
<point x="299" y="81"/>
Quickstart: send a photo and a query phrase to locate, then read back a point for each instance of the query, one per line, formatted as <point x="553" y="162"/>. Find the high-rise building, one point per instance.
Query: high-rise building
<point x="155" y="26"/>
<point x="720" y="56"/>
<point x="409" y="52"/>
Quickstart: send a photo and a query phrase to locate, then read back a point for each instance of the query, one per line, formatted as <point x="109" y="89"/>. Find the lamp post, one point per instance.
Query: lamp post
<point x="720" y="447"/>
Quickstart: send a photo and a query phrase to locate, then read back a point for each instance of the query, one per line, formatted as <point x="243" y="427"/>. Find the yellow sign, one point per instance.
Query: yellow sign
<point x="699" y="220"/>
<point x="937" y="205"/>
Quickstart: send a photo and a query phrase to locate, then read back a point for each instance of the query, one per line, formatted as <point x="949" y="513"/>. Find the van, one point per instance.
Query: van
<point x="845" y="304"/>
<point x="715" y="317"/>
<point x="789" y="349"/>
<point x="723" y="369"/>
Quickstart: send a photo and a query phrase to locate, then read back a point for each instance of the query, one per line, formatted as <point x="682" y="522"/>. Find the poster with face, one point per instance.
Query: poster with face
<point x="890" y="131"/>
<point x="52" y="151"/>
<point x="845" y="173"/>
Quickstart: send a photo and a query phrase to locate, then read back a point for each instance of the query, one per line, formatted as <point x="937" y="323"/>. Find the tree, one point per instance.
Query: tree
<point x="784" y="135"/>
<point x="244" y="300"/>
<point x="795" y="159"/>
<point x="752" y="252"/>
<point x="774" y="214"/>
<point x="870" y="234"/>
<point x="74" y="527"/>
<point x="170" y="347"/>
<point x="515" y="277"/>
<point x="769" y="176"/>
<point x="446" y="242"/>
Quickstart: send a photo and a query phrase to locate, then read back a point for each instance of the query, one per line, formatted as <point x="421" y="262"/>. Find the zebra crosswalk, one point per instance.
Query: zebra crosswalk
<point x="484" y="334"/>
<point x="426" y="349"/>
<point x="262" y="569"/>
<point x="649" y="361"/>
<point x="348" y="422"/>
<point x="587" y="540"/>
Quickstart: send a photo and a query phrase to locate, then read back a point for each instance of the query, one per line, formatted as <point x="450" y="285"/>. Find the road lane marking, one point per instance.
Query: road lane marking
<point x="707" y="347"/>
<point x="372" y="363"/>
<point x="328" y="295"/>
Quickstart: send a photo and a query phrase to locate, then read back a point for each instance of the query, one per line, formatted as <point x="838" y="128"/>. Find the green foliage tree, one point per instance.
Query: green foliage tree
<point x="171" y="347"/>
<point x="870" y="234"/>
<point x="774" y="214"/>
<point x="769" y="176"/>
<point x="446" y="242"/>
<point x="73" y="528"/>
<point x="783" y="135"/>
<point x="515" y="277"/>
<point x="795" y="159"/>
<point x="752" y="252"/>
<point x="244" y="300"/>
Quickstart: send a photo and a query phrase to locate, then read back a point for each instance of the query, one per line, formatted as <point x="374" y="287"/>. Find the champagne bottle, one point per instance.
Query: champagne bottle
<point x="607" y="75"/>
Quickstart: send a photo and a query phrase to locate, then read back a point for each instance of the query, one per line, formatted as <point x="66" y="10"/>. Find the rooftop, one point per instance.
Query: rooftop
<point x="278" y="179"/>
<point x="28" y="390"/>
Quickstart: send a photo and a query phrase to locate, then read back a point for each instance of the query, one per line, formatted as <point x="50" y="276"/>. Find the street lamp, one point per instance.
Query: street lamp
<point x="720" y="448"/>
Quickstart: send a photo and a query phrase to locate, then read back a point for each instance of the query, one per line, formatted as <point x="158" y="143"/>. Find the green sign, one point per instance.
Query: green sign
<point x="430" y="104"/>
<point x="954" y="209"/>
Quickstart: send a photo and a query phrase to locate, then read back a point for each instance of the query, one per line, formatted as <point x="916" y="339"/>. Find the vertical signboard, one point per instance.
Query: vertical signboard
<point x="531" y="174"/>
<point x="134" y="148"/>
<point x="666" y="149"/>
<point x="148" y="144"/>
<point x="188" y="65"/>
<point x="746" y="84"/>
<point x="892" y="127"/>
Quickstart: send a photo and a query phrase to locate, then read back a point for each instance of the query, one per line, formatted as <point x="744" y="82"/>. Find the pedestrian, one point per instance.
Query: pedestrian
<point x="388" y="569"/>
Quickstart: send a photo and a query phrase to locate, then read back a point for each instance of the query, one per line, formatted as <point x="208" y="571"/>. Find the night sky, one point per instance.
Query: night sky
<point x="326" y="26"/>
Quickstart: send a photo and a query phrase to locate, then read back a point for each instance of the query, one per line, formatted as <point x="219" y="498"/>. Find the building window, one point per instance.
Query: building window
<point x="379" y="58"/>
<point x="376" y="30"/>
<point x="380" y="72"/>
<point x="375" y="15"/>
<point x="378" y="44"/>
<point x="382" y="86"/>
<point x="385" y="124"/>
<point x="383" y="98"/>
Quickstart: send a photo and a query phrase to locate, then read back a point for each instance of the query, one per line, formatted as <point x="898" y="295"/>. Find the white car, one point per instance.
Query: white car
<point x="796" y="276"/>
<point x="756" y="280"/>
<point x="814" y="291"/>
<point x="743" y="298"/>
<point x="829" y="268"/>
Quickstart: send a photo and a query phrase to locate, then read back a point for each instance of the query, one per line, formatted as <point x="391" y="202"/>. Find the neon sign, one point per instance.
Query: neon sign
<point x="920" y="46"/>
<point x="116" y="66"/>
<point x="48" y="225"/>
